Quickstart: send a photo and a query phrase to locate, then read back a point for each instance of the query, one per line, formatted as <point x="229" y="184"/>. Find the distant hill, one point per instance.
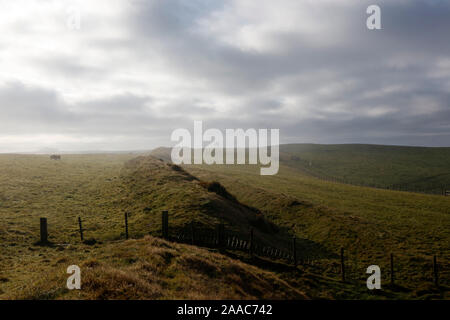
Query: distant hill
<point x="396" y="167"/>
<point x="417" y="169"/>
<point x="162" y="153"/>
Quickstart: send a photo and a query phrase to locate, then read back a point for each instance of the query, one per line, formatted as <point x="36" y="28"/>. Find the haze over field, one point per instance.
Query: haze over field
<point x="137" y="70"/>
<point x="324" y="216"/>
<point x="235" y="149"/>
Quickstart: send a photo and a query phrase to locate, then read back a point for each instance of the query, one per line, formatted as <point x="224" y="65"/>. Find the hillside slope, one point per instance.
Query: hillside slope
<point x="395" y="167"/>
<point x="153" y="186"/>
<point x="416" y="169"/>
<point x="368" y="223"/>
<point x="99" y="189"/>
<point x="150" y="268"/>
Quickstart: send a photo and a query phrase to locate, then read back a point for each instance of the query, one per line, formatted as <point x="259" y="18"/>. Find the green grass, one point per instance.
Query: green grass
<point x="407" y="168"/>
<point x="79" y="185"/>
<point x="369" y="223"/>
<point x="153" y="186"/>
<point x="99" y="189"/>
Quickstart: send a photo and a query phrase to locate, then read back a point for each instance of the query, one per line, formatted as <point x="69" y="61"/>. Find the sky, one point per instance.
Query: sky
<point x="122" y="75"/>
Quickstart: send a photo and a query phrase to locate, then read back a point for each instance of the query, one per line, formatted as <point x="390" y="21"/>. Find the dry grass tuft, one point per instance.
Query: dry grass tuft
<point x="159" y="270"/>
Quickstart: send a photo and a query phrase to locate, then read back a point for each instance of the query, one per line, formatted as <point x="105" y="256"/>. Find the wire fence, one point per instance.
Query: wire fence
<point x="346" y="266"/>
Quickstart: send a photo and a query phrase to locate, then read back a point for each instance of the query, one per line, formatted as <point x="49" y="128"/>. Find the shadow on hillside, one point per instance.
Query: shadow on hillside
<point x="278" y="246"/>
<point x="203" y="206"/>
<point x="314" y="250"/>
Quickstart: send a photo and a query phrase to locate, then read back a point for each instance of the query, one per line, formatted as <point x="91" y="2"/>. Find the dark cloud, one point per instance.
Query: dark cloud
<point x="324" y="78"/>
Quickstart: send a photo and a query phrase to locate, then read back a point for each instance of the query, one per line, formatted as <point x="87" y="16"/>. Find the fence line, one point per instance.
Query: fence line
<point x="228" y="240"/>
<point x="222" y="239"/>
<point x="81" y="228"/>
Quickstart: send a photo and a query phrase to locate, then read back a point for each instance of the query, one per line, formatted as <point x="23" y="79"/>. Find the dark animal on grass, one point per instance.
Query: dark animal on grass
<point x="55" y="157"/>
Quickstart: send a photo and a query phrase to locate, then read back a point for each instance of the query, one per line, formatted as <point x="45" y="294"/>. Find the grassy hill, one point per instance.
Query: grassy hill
<point x="395" y="167"/>
<point x="416" y="169"/>
<point x="148" y="268"/>
<point x="153" y="186"/>
<point x="369" y="223"/>
<point x="325" y="216"/>
<point x="99" y="189"/>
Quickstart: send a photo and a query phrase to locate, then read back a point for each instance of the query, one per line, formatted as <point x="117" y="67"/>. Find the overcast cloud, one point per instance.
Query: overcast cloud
<point x="137" y="70"/>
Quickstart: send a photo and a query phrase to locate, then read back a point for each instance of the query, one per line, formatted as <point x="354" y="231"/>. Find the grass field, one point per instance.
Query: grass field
<point x="100" y="189"/>
<point x="407" y="168"/>
<point x="369" y="223"/>
<point x="146" y="268"/>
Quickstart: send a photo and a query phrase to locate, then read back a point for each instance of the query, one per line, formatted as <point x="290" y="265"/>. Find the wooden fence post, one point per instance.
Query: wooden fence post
<point x="126" y="225"/>
<point x="294" y="251"/>
<point x="220" y="234"/>
<point x="44" y="233"/>
<point x="251" y="242"/>
<point x="342" y="265"/>
<point x="81" y="228"/>
<point x="192" y="233"/>
<point x="392" y="269"/>
<point x="165" y="224"/>
<point x="435" y="271"/>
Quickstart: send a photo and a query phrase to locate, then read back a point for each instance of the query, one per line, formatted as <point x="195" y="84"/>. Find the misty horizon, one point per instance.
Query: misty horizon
<point x="130" y="73"/>
<point x="49" y="151"/>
